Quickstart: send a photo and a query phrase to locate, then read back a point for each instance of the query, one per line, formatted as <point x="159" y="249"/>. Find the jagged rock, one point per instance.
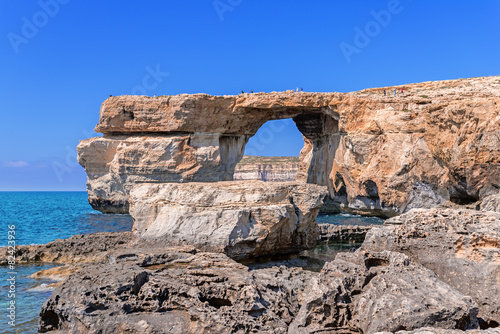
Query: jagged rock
<point x="491" y="203"/>
<point x="242" y="219"/>
<point x="430" y="330"/>
<point x="82" y="248"/>
<point x="184" y="293"/>
<point x="439" y="141"/>
<point x="369" y="292"/>
<point x="461" y="246"/>
<point x="342" y="233"/>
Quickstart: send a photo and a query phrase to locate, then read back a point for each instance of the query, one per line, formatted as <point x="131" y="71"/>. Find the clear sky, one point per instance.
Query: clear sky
<point x="60" y="59"/>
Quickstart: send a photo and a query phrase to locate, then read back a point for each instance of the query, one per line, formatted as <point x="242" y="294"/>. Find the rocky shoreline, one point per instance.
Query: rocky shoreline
<point x="211" y="255"/>
<point x="429" y="270"/>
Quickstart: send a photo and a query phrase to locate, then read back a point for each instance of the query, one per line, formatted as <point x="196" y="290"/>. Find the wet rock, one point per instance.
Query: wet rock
<point x="461" y="246"/>
<point x="244" y="219"/>
<point x="343" y="233"/>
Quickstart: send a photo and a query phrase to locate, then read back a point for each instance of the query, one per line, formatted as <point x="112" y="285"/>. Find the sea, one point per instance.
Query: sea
<point x="41" y="217"/>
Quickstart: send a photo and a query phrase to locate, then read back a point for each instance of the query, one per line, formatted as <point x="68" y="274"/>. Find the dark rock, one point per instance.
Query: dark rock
<point x="200" y="293"/>
<point x="82" y="248"/>
<point x="461" y="246"/>
<point x="369" y="292"/>
<point x="343" y="233"/>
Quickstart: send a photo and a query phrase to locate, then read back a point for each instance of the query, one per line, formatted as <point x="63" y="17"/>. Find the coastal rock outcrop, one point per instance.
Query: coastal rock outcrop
<point x="81" y="248"/>
<point x="438" y="141"/>
<point x="370" y="292"/>
<point x="243" y="219"/>
<point x="176" y="292"/>
<point x="427" y="270"/>
<point x="461" y="246"/>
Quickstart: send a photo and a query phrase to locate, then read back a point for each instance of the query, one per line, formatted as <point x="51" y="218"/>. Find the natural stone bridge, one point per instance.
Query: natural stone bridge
<point x="379" y="154"/>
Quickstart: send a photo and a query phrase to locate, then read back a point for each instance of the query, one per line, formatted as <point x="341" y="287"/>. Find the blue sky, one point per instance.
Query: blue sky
<point x="60" y="59"/>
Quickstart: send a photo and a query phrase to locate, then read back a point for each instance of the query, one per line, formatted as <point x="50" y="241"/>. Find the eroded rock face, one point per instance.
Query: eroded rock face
<point x="343" y="233"/>
<point x="175" y="292"/>
<point x="134" y="286"/>
<point x="243" y="219"/>
<point x="116" y="163"/>
<point x="372" y="292"/>
<point x="491" y="203"/>
<point x="461" y="246"/>
<point x="439" y="141"/>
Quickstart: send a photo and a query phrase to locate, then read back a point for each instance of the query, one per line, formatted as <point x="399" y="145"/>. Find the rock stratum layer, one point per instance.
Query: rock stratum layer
<point x="241" y="219"/>
<point x="439" y="141"/>
<point x="269" y="169"/>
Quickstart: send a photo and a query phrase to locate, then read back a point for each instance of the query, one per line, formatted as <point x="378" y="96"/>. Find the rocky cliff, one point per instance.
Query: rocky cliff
<point x="273" y="169"/>
<point x="438" y="141"/>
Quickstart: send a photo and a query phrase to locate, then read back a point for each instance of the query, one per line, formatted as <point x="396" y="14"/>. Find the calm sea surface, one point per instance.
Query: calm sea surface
<point x="41" y="217"/>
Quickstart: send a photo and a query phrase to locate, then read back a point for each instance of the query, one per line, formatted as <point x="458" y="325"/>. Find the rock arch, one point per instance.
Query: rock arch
<point x="389" y="154"/>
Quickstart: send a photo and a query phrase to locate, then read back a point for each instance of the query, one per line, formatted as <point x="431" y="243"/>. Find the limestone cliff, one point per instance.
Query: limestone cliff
<point x="381" y="154"/>
<point x="270" y="169"/>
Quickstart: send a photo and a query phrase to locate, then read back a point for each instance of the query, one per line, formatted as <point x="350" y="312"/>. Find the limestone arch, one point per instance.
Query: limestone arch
<point x="320" y="131"/>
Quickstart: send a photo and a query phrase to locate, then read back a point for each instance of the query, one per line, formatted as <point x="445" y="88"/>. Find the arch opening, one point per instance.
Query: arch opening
<point x="303" y="147"/>
<point x="272" y="154"/>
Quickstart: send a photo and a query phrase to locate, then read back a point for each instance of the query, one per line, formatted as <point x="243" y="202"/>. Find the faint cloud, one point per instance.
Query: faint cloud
<point x="14" y="164"/>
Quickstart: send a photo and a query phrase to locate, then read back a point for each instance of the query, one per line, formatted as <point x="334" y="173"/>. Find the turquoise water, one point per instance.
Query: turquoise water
<point x="40" y="217"/>
<point x="348" y="219"/>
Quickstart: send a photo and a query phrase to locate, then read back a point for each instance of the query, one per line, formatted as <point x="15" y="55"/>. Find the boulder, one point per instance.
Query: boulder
<point x="242" y="219"/>
<point x="461" y="246"/>
<point x="370" y="292"/>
